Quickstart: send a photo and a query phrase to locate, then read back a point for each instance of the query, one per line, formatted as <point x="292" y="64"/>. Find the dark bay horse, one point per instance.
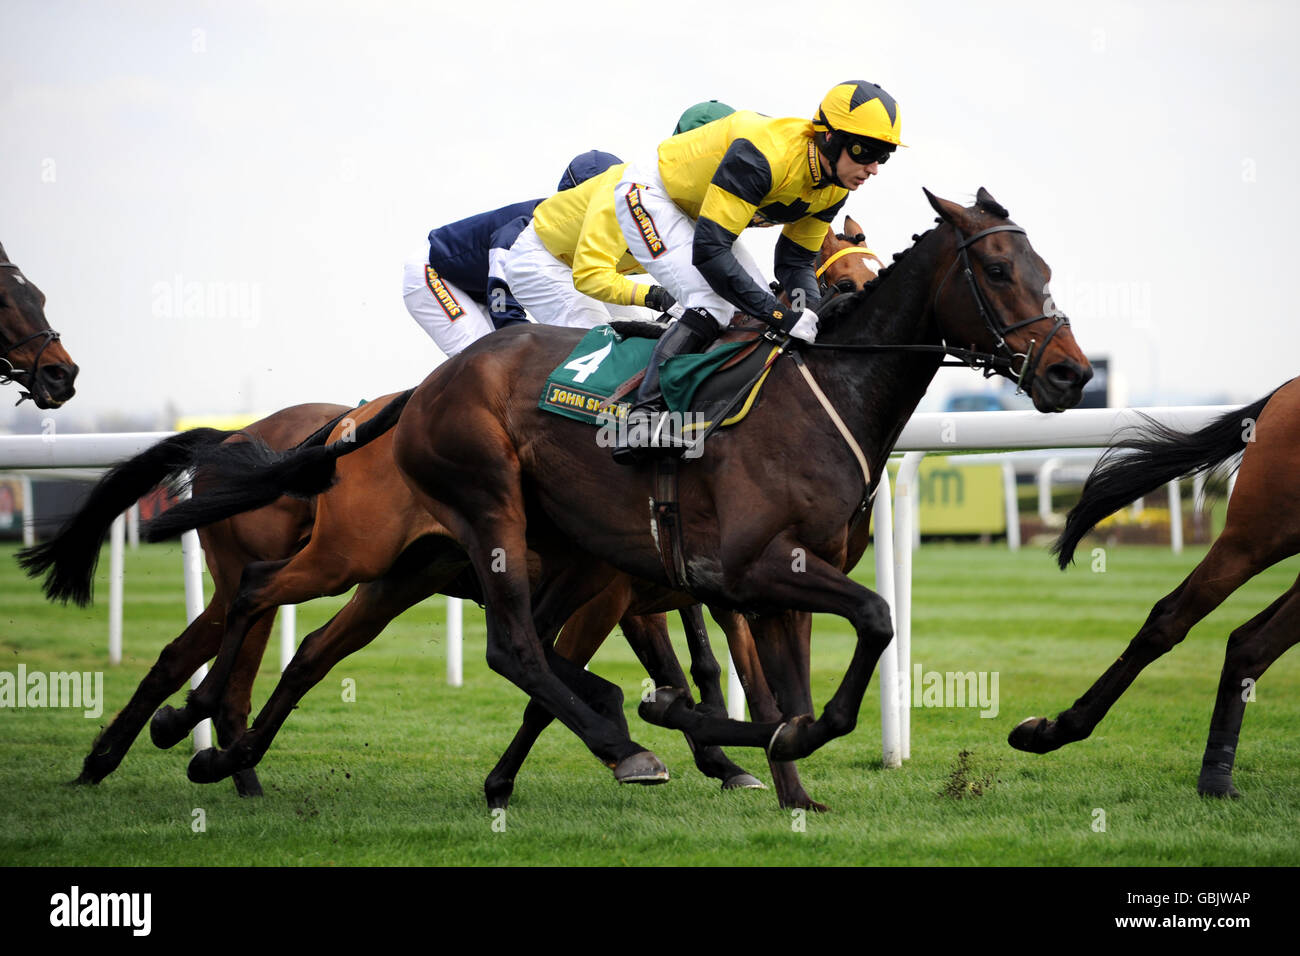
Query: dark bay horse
<point x="275" y="531"/>
<point x="1262" y="529"/>
<point x="370" y="503"/>
<point x="773" y="513"/>
<point x="273" y="534"/>
<point x="30" y="351"/>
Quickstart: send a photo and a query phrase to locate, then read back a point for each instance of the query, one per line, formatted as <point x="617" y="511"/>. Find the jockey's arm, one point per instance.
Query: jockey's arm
<point x="796" y="256"/>
<point x="739" y="186"/>
<point x="600" y="249"/>
<point x="503" y="308"/>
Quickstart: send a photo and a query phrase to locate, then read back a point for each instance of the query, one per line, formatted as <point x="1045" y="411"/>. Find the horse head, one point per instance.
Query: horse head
<point x="30" y="351"/>
<point x="994" y="298"/>
<point x="842" y="261"/>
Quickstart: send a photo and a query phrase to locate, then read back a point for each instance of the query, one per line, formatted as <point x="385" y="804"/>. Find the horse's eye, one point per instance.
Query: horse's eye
<point x="997" y="271"/>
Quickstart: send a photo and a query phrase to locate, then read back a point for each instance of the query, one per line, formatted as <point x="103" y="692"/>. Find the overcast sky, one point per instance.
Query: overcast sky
<point x="283" y="158"/>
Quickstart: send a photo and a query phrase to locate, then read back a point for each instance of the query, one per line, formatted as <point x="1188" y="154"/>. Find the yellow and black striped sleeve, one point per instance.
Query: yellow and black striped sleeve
<point x="796" y="254"/>
<point x="742" y="181"/>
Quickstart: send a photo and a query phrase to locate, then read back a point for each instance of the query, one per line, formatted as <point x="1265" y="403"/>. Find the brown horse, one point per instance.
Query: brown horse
<point x="332" y="561"/>
<point x="30" y="351"/>
<point x="771" y="514"/>
<point x="1261" y="530"/>
<point x="274" y="531"/>
<point x="842" y="266"/>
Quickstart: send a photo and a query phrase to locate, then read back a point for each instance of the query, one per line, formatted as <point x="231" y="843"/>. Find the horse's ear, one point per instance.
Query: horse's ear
<point x="851" y="228"/>
<point x="984" y="199"/>
<point x="947" y="210"/>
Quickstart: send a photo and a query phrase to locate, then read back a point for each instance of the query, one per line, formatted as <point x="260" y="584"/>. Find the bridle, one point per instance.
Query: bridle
<point x="990" y="363"/>
<point x="823" y="286"/>
<point x="7" y="369"/>
<point x="1028" y="359"/>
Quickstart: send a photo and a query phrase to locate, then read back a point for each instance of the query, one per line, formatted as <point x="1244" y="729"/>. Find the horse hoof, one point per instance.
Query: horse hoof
<point x="247" y="784"/>
<point x="203" y="766"/>
<point x="801" y="801"/>
<point x="167" y="728"/>
<point x="641" y="767"/>
<point x="743" y="781"/>
<point x="1028" y="735"/>
<point x="655" y="710"/>
<point x="785" y="744"/>
<point x="1217" y="785"/>
<point x="94" y="770"/>
<point x="498" y="793"/>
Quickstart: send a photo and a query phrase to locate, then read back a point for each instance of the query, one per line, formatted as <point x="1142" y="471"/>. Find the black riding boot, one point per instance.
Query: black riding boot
<point x="691" y="333"/>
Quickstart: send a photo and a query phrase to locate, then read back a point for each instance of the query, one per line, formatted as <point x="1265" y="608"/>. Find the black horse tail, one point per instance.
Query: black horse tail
<point x="68" y="560"/>
<point x="1147" y="457"/>
<point x="248" y="475"/>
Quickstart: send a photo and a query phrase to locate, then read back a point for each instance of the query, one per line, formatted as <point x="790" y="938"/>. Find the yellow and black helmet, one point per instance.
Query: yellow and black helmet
<point x="860" y="117"/>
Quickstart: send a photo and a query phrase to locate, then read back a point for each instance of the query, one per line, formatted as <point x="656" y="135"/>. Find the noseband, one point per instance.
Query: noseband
<point x="1028" y="359"/>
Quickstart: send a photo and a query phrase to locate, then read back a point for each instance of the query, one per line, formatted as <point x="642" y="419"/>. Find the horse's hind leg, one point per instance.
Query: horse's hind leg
<point x="1232" y="561"/>
<point x="232" y="718"/>
<point x="579" y="640"/>
<point x="171" y="725"/>
<point x="360" y="621"/>
<point x="763" y="701"/>
<point x="648" y="636"/>
<point x="175" y="665"/>
<point x="1252" y="648"/>
<point x="705" y="670"/>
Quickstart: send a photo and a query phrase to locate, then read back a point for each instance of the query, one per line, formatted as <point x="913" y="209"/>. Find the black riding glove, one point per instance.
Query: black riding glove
<point x="659" y="299"/>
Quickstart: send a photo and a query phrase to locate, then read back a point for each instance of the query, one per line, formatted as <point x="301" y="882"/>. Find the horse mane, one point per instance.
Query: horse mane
<point x="849" y="303"/>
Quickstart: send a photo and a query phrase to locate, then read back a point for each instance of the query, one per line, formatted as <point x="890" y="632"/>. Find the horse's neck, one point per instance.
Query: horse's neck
<point x="877" y="392"/>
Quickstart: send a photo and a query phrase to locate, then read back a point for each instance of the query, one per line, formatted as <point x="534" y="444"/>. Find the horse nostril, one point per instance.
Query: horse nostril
<point x="58" y="377"/>
<point x="1068" y="375"/>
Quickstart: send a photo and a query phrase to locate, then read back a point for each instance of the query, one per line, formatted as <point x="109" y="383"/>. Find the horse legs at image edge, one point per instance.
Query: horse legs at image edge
<point x="1230" y="562"/>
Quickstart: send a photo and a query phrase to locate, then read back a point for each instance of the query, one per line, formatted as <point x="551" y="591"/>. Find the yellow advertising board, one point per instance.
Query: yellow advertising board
<point x="959" y="499"/>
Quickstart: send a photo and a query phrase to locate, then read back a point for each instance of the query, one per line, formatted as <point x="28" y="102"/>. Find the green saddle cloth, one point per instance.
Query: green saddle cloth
<point x="604" y="362"/>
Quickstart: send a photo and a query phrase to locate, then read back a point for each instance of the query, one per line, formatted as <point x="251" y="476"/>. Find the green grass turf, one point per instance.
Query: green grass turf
<point x="396" y="776"/>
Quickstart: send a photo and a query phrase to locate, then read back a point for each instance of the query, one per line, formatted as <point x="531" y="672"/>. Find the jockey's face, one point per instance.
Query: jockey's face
<point x="852" y="174"/>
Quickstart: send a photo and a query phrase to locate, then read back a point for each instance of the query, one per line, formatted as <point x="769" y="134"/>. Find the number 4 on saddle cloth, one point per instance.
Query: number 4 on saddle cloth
<point x="598" y="381"/>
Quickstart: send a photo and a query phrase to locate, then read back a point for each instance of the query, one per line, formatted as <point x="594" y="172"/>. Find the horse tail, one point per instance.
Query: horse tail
<point x="1148" y="456"/>
<point x="248" y="475"/>
<point x="68" y="560"/>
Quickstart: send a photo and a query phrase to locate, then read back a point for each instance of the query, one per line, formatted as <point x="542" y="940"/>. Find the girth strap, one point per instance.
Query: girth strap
<point x="666" y="518"/>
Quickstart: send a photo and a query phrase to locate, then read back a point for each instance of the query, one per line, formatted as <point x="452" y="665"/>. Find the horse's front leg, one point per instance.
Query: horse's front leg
<point x="1252" y="648"/>
<point x="1230" y="563"/>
